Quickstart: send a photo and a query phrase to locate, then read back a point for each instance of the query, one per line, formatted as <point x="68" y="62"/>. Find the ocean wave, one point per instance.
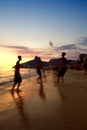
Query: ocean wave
<point x="7" y="79"/>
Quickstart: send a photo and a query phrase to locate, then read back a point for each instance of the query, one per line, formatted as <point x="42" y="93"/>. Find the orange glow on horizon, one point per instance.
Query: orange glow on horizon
<point x="8" y="58"/>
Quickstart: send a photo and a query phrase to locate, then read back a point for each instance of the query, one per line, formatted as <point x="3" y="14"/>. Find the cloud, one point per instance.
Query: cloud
<point x="19" y="49"/>
<point x="82" y="45"/>
<point x="67" y="47"/>
<point x="75" y="46"/>
<point x="14" y="47"/>
<point x="26" y="52"/>
<point x="72" y="50"/>
<point x="83" y="41"/>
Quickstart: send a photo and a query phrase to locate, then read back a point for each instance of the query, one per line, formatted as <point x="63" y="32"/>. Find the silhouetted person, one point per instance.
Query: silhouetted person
<point x="85" y="65"/>
<point x="38" y="69"/>
<point x="17" y="76"/>
<point x="62" y="67"/>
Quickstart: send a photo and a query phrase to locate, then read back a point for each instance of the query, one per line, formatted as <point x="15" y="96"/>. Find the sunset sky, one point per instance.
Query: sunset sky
<point x="27" y="27"/>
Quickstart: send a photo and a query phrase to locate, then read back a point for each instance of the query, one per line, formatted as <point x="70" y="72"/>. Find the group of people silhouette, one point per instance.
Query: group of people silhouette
<point x="62" y="68"/>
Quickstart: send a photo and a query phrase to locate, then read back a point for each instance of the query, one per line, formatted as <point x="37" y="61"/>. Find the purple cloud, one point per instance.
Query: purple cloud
<point x="72" y="50"/>
<point x="67" y="47"/>
<point x="83" y="41"/>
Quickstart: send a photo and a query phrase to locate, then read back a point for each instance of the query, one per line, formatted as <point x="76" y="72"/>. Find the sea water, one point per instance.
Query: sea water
<point x="7" y="74"/>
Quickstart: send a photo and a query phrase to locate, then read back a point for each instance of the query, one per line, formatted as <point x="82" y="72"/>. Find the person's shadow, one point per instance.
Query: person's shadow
<point x="41" y="91"/>
<point x="18" y="99"/>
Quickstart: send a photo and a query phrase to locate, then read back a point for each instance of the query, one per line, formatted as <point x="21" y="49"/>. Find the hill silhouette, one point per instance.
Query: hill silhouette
<point x="33" y="63"/>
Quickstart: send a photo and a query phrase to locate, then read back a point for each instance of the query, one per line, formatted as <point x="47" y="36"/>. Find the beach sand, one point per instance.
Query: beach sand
<point x="47" y="105"/>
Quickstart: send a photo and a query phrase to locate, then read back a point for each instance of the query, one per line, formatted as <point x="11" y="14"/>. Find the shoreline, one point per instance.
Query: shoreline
<point x="46" y="105"/>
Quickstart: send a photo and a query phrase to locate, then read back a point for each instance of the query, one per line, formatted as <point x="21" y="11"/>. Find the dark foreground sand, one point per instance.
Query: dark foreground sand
<point x="47" y="105"/>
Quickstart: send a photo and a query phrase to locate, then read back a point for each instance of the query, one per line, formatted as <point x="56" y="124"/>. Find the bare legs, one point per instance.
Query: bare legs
<point x="61" y="78"/>
<point x="17" y="86"/>
<point x="39" y="78"/>
<point x="40" y="75"/>
<point x="85" y="70"/>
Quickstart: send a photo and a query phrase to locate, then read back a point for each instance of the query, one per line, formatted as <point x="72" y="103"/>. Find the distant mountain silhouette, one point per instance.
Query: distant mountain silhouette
<point x="33" y="63"/>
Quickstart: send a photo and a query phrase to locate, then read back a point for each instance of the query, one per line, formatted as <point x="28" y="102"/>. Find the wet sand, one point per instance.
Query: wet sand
<point x="47" y="105"/>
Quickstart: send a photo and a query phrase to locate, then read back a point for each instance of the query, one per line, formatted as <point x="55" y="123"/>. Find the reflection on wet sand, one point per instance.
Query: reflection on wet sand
<point x="41" y="91"/>
<point x="20" y="106"/>
<point x="59" y="89"/>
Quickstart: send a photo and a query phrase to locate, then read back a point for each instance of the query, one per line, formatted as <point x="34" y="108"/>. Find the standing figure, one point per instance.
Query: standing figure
<point x="85" y="65"/>
<point x="17" y="76"/>
<point x="38" y="69"/>
<point x="62" y="67"/>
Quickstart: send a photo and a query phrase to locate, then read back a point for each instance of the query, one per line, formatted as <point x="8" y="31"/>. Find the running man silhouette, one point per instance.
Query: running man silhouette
<point x="62" y="67"/>
<point x="85" y="65"/>
<point x="38" y="69"/>
<point x="17" y="76"/>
